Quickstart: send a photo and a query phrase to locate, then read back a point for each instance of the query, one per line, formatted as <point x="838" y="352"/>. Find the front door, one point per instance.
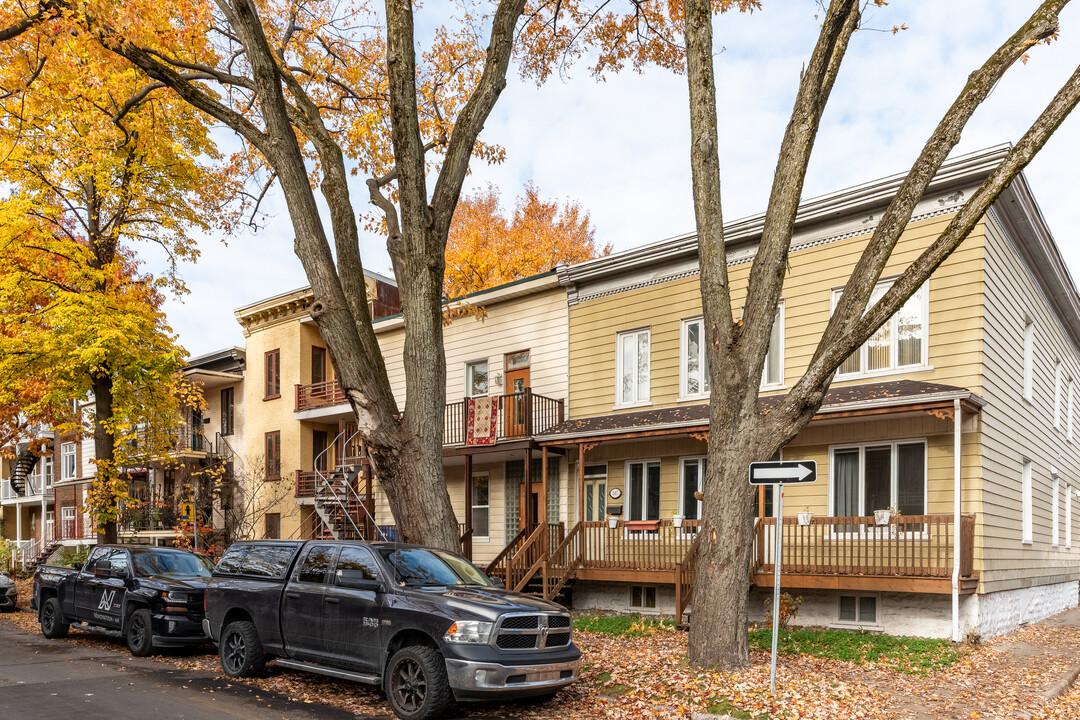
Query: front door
<point x="532" y="506"/>
<point x="595" y="492"/>
<point x="319" y="443"/>
<point x="517" y="381"/>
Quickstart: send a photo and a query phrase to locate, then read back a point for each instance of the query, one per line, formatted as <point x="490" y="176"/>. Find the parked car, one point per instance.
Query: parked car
<point x="9" y="595"/>
<point x="152" y="597"/>
<point x="425" y="625"/>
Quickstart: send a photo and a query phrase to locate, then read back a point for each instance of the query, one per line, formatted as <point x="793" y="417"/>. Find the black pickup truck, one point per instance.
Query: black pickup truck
<point x="426" y="625"/>
<point x="152" y="597"/>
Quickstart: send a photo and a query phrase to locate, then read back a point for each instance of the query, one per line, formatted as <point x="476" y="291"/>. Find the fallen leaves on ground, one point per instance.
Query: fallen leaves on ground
<point x="648" y="677"/>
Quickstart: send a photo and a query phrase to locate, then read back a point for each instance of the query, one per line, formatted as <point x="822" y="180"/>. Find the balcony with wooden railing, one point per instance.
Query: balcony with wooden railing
<point x="319" y="394"/>
<point x="912" y="553"/>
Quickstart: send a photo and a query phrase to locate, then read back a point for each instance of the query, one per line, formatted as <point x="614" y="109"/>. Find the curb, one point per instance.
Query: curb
<point x="1062" y="686"/>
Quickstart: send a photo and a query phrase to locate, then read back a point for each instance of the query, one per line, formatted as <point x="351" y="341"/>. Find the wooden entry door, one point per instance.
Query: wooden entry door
<point x="517" y="382"/>
<point x="533" y="505"/>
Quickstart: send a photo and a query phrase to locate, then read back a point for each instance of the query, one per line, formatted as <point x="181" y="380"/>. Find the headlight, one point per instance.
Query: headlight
<point x="469" y="631"/>
<point x="175" y="597"/>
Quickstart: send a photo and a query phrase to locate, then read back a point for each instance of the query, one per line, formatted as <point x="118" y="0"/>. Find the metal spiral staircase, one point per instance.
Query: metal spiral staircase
<point x="24" y="465"/>
<point x="343" y="510"/>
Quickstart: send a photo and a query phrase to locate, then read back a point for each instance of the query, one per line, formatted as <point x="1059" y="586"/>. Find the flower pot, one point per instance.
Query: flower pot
<point x="676" y="521"/>
<point x="612" y="522"/>
<point x="805" y="517"/>
<point x="881" y="517"/>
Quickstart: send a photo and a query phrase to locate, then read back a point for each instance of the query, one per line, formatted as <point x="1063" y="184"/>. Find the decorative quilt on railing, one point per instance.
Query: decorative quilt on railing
<point x="482" y="421"/>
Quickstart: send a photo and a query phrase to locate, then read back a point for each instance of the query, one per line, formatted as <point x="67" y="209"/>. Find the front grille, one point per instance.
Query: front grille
<point x="517" y="642"/>
<point x="529" y="632"/>
<point x="558" y="640"/>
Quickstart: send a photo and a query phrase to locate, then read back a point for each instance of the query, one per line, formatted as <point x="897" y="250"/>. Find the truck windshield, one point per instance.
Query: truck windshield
<point x="171" y="563"/>
<point x="416" y="566"/>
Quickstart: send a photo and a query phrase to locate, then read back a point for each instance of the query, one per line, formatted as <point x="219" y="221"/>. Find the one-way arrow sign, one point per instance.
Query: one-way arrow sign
<point x="772" y="472"/>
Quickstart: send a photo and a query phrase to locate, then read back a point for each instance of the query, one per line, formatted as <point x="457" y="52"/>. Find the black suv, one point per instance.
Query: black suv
<point x="424" y="624"/>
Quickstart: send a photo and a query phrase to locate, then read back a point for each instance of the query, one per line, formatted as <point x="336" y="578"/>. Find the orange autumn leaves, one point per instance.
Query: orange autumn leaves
<point x="486" y="248"/>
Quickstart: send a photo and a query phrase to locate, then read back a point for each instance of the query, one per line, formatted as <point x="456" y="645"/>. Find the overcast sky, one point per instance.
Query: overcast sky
<point x="621" y="148"/>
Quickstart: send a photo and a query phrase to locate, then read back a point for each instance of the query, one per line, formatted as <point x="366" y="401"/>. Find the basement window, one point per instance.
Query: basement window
<point x="858" y="609"/>
<point x="642" y="597"/>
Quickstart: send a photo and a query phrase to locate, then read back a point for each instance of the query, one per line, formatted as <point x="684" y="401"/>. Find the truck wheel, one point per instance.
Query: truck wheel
<point x="139" y="634"/>
<point x="240" y="651"/>
<point x="416" y="683"/>
<point x="52" y="620"/>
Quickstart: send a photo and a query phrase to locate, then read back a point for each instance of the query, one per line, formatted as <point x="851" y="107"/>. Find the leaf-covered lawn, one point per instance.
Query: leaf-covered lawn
<point x="915" y="656"/>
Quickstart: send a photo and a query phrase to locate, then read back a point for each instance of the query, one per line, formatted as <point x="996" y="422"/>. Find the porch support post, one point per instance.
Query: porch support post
<point x="43" y="511"/>
<point x="468" y="504"/>
<point x="957" y="420"/>
<point x="580" y="482"/>
<point x="761" y="501"/>
<point x="529" y="519"/>
<point x="18" y="521"/>
<point x="541" y="506"/>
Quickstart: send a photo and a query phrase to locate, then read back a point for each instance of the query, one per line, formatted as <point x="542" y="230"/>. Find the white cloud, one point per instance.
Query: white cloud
<point x="621" y="148"/>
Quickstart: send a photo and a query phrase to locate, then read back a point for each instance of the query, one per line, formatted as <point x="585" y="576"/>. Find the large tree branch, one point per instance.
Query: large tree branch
<point x="864" y="276"/>
<point x="475" y="113"/>
<point x="770" y="264"/>
<point x="45" y="10"/>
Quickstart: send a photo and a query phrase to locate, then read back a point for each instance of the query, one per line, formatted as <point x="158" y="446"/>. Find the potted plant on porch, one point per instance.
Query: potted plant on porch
<point x="676" y="519"/>
<point x="881" y="517"/>
<point x="805" y="516"/>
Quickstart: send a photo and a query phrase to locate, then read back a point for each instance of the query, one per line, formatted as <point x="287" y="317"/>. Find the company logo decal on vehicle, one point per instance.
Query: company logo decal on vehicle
<point x="106" y="600"/>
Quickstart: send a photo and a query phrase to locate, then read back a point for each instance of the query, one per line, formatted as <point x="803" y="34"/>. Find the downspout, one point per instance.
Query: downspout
<point x="956" y="522"/>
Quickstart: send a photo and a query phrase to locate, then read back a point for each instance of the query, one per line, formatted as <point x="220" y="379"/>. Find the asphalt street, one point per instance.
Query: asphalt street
<point x="42" y="678"/>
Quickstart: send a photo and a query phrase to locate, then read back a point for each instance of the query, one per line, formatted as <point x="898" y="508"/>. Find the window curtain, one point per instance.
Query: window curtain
<point x="846" y="483"/>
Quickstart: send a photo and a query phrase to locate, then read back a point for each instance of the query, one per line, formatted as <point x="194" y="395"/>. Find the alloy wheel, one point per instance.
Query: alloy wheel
<point x="409" y="685"/>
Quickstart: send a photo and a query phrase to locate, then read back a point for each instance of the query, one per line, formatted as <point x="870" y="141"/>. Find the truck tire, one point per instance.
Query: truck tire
<point x="416" y="683"/>
<point x="53" y="624"/>
<point x="140" y="633"/>
<point x="240" y="650"/>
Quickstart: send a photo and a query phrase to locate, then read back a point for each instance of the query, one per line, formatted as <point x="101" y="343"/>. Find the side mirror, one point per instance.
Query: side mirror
<point x="77" y="566"/>
<point x="497" y="581"/>
<point x="355" y="580"/>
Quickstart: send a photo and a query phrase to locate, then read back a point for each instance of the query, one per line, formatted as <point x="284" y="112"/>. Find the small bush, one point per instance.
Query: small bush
<point x="623" y="625"/>
<point x="789" y="609"/>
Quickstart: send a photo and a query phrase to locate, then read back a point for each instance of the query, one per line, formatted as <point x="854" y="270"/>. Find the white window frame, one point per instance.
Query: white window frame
<point x="779" y="383"/>
<point x="923" y="293"/>
<point x="469" y="377"/>
<point x="1025" y="503"/>
<point x="67" y="451"/>
<point x="703" y="361"/>
<point x="1072" y="404"/>
<point x="701" y="460"/>
<point x="472" y="494"/>
<point x="1055" y="522"/>
<point x="644" y="462"/>
<point x="48" y="477"/>
<point x="636" y="401"/>
<point x="858" y="600"/>
<point x="1068" y="515"/>
<point x="655" y="609"/>
<point x="1029" y="360"/>
<point x="893" y="470"/>
<point x="1057" y="394"/>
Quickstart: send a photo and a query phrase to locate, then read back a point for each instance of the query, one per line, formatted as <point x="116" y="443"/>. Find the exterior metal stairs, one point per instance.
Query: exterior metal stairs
<point x="24" y="465"/>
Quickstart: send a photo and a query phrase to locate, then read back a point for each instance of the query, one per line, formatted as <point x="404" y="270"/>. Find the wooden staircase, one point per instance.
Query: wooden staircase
<point x="521" y="564"/>
<point x="30" y="566"/>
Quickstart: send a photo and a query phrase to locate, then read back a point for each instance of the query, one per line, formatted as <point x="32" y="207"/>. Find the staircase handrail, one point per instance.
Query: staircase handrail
<point x="505" y="554"/>
<point x="684" y="578"/>
<point x="537" y="537"/>
<point x="350" y="492"/>
<point x="564" y="561"/>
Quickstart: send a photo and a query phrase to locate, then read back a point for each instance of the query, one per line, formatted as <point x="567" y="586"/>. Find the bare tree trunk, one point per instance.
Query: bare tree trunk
<point x="104" y="444"/>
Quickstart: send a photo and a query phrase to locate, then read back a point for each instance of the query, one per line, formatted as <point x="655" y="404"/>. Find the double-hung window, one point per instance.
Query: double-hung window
<point x="67" y="461"/>
<point x="273" y="455"/>
<point x="642" y="490"/>
<point x="272" y="367"/>
<point x="875" y="477"/>
<point x="694" y="362"/>
<point x="772" y="374"/>
<point x="227" y="410"/>
<point x="47" y="471"/>
<point x="476" y="379"/>
<point x="900" y="343"/>
<point x="691" y="478"/>
<point x="633" y="367"/>
<point x="480" y="505"/>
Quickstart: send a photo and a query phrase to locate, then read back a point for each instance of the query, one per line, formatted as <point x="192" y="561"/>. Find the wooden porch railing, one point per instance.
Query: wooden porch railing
<point x="520" y="415"/>
<point x="563" y="562"/>
<point x="651" y="545"/>
<point x="909" y="546"/>
<point x="684" y="579"/>
<point x="497" y="567"/>
<point x="529" y="559"/>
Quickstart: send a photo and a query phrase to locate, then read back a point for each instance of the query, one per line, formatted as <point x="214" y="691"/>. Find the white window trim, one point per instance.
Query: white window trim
<point x="779" y="384"/>
<point x="1029" y="360"/>
<point x="924" y="364"/>
<point x="468" y="377"/>
<point x="1055" y="507"/>
<point x="893" y="459"/>
<point x="1025" y="503"/>
<point x="632" y="535"/>
<point x="68" y="450"/>
<point x="856" y="623"/>
<point x="655" y="610"/>
<point x="472" y="494"/>
<point x="682" y="460"/>
<point x="1072" y="404"/>
<point x="683" y="341"/>
<point x="1068" y="515"/>
<point x="1057" y="394"/>
<point x="618" y="370"/>
<point x="48" y="471"/>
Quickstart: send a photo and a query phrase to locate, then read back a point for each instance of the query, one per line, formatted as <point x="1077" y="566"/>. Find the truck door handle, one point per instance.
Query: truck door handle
<point x="332" y="600"/>
<point x="294" y="596"/>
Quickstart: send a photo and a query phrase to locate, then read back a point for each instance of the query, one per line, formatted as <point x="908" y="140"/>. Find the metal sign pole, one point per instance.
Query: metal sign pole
<point x="778" y="490"/>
